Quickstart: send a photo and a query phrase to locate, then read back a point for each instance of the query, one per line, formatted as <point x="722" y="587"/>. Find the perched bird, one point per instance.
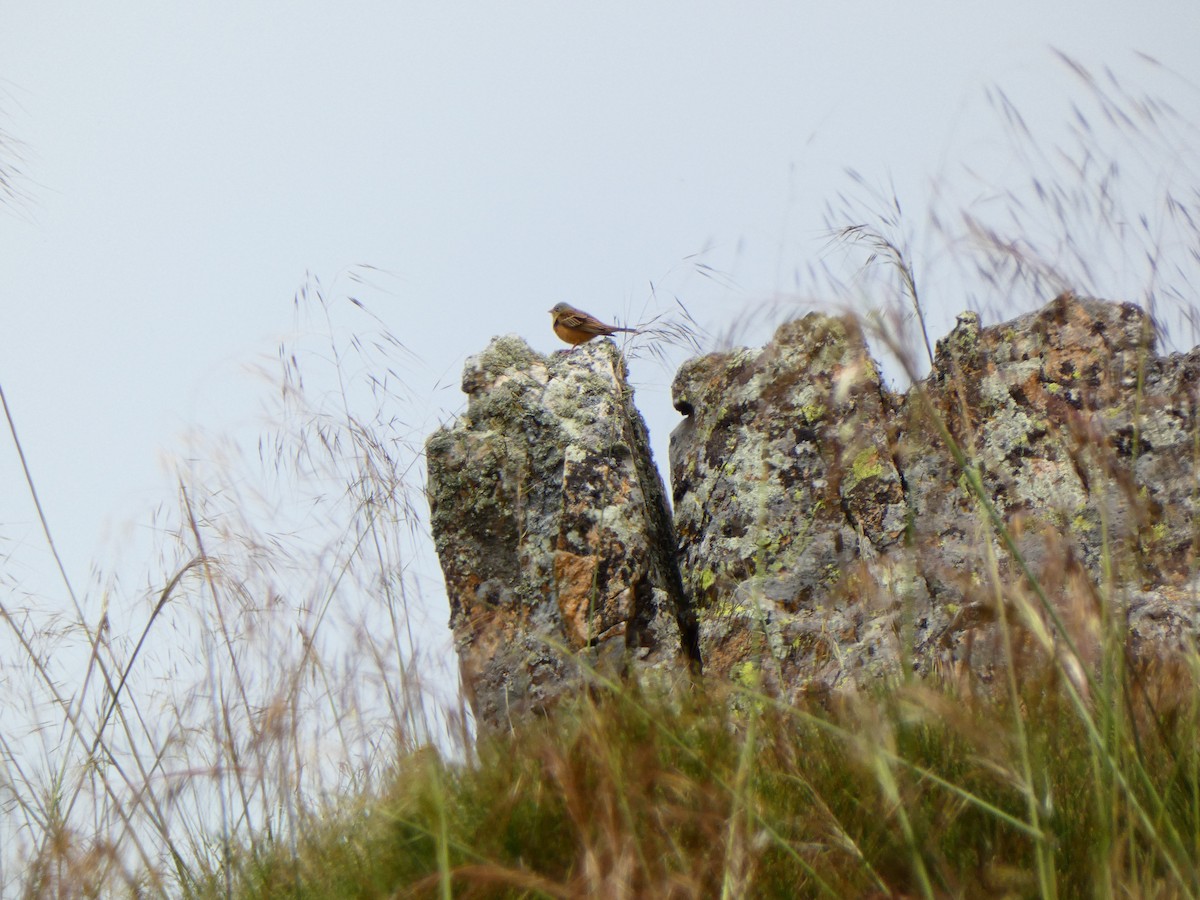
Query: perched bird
<point x="577" y="327"/>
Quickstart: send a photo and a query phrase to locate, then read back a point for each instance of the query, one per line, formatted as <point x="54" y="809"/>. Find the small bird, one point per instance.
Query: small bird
<point x="577" y="327"/>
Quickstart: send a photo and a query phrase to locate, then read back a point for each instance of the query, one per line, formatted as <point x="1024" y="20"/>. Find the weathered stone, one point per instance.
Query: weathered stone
<point x="827" y="532"/>
<point x="548" y="518"/>
<point x="831" y="531"/>
<point x="1025" y="402"/>
<point x="1031" y="406"/>
<point x="789" y="509"/>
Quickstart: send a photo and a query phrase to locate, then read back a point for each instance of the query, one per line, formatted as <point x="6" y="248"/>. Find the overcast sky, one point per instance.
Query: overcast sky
<point x="187" y="167"/>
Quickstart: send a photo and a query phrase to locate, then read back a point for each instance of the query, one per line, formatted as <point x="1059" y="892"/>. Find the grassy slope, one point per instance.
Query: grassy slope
<point x="913" y="791"/>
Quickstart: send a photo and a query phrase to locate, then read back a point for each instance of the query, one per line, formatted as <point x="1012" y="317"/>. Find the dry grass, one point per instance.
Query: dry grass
<point x="276" y="664"/>
<point x="913" y="791"/>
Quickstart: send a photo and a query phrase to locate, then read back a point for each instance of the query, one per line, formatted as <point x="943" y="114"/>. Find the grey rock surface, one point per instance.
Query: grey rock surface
<point x="832" y="532"/>
<point x="791" y="512"/>
<point x="827" y="532"/>
<point x="548" y="518"/>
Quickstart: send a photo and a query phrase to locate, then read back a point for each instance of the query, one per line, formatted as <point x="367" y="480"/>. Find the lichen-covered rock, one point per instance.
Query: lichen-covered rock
<point x="1044" y="470"/>
<point x="1054" y="412"/>
<point x="548" y="517"/>
<point x="788" y="507"/>
<point x="827" y="532"/>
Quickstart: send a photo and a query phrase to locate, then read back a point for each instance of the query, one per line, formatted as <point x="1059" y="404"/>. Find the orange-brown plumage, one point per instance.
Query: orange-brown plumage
<point x="577" y="327"/>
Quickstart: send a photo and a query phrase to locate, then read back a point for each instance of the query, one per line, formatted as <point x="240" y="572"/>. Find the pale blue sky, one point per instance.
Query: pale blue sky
<point x="186" y="164"/>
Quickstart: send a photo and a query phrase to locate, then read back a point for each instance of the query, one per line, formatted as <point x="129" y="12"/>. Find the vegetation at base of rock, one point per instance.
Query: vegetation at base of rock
<point x="911" y="790"/>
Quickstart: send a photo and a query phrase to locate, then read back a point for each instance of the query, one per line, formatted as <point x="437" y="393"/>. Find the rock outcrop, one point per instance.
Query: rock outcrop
<point x="827" y="531"/>
<point x="553" y="530"/>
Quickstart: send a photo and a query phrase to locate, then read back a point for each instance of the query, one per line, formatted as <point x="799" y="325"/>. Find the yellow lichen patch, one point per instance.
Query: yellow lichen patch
<point x="812" y="412"/>
<point x="746" y="674"/>
<point x="867" y="464"/>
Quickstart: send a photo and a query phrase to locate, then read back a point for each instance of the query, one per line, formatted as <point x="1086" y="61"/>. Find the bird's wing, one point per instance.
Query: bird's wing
<point x="574" y="320"/>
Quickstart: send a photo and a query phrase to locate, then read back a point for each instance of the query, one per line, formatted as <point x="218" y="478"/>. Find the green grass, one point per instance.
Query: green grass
<point x="909" y="791"/>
